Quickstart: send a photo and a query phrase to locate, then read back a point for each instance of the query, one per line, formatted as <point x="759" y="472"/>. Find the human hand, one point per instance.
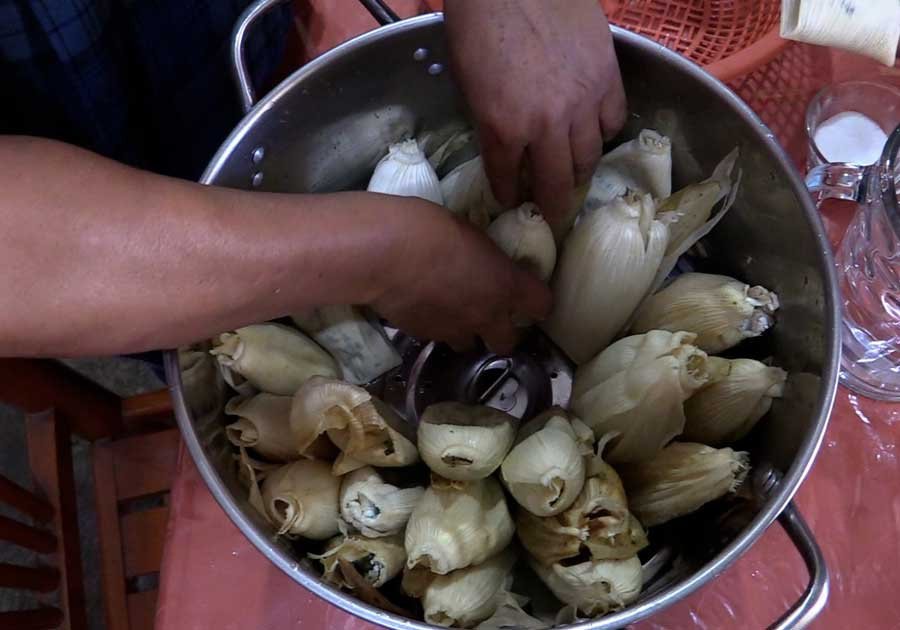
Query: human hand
<point x="543" y="83"/>
<point x="447" y="281"/>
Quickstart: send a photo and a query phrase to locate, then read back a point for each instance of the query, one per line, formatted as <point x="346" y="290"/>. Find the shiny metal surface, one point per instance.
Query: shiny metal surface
<point x="837" y="181"/>
<point x="765" y="480"/>
<point x="815" y="597"/>
<point x="326" y="126"/>
<point x="535" y="377"/>
<point x="246" y="91"/>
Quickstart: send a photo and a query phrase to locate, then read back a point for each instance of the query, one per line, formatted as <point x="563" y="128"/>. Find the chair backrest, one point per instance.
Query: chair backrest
<point x="132" y="477"/>
<point x="46" y="523"/>
<point x="132" y="474"/>
<point x="35" y="385"/>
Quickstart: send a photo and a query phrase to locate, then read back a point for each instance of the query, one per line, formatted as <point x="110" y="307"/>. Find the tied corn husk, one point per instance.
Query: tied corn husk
<point x="272" y="358"/>
<point x="689" y="209"/>
<point x="359" y="345"/>
<point x="464" y="442"/>
<point x="365" y="429"/>
<point x="405" y="172"/>
<point x="467" y="193"/>
<point x="373" y="507"/>
<point x="377" y="560"/>
<point x="468" y="596"/>
<point x="730" y="405"/>
<point x="626" y="351"/>
<point x="301" y="499"/>
<point x="866" y="27"/>
<point x="606" y="268"/>
<point x="510" y="616"/>
<point x="525" y="237"/>
<point x="454" y="527"/>
<point x="677" y="248"/>
<point x="597" y="525"/>
<point x="642" y="404"/>
<point x="619" y="546"/>
<point x="642" y="165"/>
<point x="720" y="310"/>
<point x="596" y="587"/>
<point x="545" y="471"/>
<point x="263" y="424"/>
<point x="680" y="479"/>
<point x="583" y="434"/>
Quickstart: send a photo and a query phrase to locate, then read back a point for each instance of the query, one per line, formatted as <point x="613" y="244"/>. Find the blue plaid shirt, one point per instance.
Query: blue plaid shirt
<point x="146" y="82"/>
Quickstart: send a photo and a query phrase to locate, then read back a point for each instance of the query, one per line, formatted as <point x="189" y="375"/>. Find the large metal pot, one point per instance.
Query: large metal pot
<point x="325" y="127"/>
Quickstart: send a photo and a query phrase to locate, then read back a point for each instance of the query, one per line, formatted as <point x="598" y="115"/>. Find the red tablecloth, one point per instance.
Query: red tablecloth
<point x="213" y="578"/>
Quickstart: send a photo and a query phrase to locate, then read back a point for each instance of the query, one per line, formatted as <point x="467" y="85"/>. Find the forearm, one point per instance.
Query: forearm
<point x="98" y="258"/>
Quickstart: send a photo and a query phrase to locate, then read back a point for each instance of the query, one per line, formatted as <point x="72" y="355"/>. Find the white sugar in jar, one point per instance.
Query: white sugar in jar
<point x="850" y="137"/>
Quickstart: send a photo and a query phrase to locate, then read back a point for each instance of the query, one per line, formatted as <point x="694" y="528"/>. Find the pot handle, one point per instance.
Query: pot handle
<point x="382" y="13"/>
<point x="816" y="595"/>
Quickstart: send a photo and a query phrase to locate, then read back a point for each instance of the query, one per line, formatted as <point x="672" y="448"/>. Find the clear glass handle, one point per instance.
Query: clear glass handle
<point x="838" y="181"/>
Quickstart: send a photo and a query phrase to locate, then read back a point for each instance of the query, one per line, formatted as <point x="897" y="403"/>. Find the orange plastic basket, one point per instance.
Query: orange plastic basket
<point x="729" y="37"/>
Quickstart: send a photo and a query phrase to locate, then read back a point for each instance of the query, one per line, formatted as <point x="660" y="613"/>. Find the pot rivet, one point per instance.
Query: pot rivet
<point x="258" y="154"/>
<point x="421" y="54"/>
<point x="435" y="69"/>
<point x="257" y="179"/>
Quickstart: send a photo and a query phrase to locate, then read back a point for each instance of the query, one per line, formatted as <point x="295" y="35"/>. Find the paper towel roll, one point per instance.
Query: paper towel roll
<point x="867" y="27"/>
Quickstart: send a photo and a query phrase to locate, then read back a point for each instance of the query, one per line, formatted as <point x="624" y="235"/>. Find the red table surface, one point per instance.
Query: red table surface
<point x="214" y="578"/>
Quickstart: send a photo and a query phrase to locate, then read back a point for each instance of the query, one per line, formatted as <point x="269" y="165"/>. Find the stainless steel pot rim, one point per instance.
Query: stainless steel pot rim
<point x="780" y="496"/>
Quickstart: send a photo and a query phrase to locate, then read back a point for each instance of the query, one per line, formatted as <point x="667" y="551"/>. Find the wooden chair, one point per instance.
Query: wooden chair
<point x="134" y="450"/>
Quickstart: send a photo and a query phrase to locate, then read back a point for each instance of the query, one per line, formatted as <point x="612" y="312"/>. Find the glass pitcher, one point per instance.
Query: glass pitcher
<point x="868" y="261"/>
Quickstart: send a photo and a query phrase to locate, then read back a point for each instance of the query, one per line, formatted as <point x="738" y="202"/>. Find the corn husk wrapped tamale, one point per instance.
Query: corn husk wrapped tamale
<point x="545" y="470"/>
<point x="685" y="212"/>
<point x="301" y="499"/>
<point x="680" y="479"/>
<point x="405" y="172"/>
<point x="373" y="507"/>
<point x="365" y="429"/>
<point x="263" y="424"/>
<point x="607" y="266"/>
<point x="595" y="587"/>
<point x="729" y="406"/>
<point x="720" y="310"/>
<point x="464" y="442"/>
<point x="689" y="209"/>
<point x="642" y="165"/>
<point x="465" y="597"/>
<point x="454" y="527"/>
<point x="272" y="358"/>
<point x="467" y="193"/>
<point x="378" y="560"/>
<point x="623" y="353"/>
<point x="598" y="523"/>
<point x="643" y="404"/>
<point x="526" y="238"/>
